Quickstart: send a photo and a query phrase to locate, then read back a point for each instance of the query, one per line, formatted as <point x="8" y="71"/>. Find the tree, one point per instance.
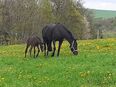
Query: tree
<point x="67" y="13"/>
<point x="22" y="18"/>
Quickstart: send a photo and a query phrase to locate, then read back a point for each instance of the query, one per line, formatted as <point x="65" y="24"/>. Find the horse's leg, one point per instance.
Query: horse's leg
<point x="60" y="43"/>
<point x="38" y="51"/>
<point x="50" y="46"/>
<point x="30" y="50"/>
<point x="44" y="49"/>
<point x="54" y="49"/>
<point x="26" y="50"/>
<point x="34" y="51"/>
<point x="47" y="49"/>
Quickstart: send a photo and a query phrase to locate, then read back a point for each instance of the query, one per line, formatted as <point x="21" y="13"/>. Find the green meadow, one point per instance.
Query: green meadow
<point x="95" y="66"/>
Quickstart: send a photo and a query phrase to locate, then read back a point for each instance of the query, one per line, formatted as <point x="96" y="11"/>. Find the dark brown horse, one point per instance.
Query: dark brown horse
<point x="34" y="42"/>
<point x="58" y="32"/>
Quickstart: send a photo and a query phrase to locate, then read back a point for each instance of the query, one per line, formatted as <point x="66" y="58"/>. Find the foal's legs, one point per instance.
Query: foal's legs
<point x="26" y="49"/>
<point x="38" y="51"/>
<point x="34" y="51"/>
<point x="54" y="49"/>
<point x="60" y="43"/>
<point x="44" y="49"/>
<point x="30" y="50"/>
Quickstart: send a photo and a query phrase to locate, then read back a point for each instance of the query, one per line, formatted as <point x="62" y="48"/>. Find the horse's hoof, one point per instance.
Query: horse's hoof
<point x="36" y="56"/>
<point x="52" y="55"/>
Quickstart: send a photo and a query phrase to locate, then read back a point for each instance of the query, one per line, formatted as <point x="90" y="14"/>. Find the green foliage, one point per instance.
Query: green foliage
<point x="95" y="66"/>
<point x="75" y="21"/>
<point x="106" y="26"/>
<point x="102" y="23"/>
<point x="46" y="12"/>
<point x="22" y="18"/>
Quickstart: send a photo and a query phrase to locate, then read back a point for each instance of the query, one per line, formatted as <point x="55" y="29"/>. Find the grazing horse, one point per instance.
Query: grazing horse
<point x="57" y="32"/>
<point x="34" y="42"/>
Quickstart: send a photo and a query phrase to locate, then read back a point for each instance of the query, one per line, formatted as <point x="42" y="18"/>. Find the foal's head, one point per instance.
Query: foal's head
<point x="73" y="47"/>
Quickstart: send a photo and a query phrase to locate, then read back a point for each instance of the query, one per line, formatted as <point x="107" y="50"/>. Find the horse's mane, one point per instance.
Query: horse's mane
<point x="68" y="31"/>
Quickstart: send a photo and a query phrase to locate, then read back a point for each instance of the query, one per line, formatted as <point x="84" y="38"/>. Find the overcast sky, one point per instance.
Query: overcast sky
<point x="100" y="4"/>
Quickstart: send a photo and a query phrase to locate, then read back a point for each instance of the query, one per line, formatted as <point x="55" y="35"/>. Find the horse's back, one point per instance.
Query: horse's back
<point x="34" y="40"/>
<point x="47" y="31"/>
<point x="48" y="28"/>
<point x="54" y="31"/>
<point x="59" y="32"/>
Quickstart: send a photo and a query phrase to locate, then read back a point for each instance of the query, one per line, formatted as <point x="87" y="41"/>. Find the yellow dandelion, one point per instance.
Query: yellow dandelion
<point x="98" y="47"/>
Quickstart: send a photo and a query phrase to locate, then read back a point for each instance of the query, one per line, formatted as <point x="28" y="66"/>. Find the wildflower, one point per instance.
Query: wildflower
<point x="98" y="47"/>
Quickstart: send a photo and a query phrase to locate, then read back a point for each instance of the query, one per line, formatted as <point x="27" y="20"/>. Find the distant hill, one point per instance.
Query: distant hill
<point x="104" y="13"/>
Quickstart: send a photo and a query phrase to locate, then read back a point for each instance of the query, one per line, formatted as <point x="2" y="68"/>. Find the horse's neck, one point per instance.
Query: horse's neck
<point x="69" y="38"/>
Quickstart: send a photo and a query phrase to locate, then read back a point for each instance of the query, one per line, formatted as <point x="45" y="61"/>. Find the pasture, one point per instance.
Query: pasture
<point x="105" y="14"/>
<point x="95" y="66"/>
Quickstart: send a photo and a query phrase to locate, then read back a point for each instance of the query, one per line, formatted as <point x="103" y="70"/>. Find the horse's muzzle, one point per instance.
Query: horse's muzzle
<point x="75" y="52"/>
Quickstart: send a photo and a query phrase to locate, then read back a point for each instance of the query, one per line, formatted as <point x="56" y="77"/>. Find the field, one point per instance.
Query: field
<point x="104" y="14"/>
<point x="109" y="34"/>
<point x="95" y="66"/>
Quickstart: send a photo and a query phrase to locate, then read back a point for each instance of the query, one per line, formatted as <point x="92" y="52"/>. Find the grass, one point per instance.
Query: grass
<point x="95" y="66"/>
<point x="104" y="14"/>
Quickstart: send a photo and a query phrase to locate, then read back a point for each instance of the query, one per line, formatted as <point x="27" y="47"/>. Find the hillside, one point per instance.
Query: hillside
<point x="104" y="13"/>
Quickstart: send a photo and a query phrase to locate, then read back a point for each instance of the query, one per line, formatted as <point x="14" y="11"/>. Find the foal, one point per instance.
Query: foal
<point x="34" y="42"/>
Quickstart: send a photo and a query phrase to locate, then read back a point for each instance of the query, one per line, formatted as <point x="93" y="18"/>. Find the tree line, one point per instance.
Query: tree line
<point x="21" y="18"/>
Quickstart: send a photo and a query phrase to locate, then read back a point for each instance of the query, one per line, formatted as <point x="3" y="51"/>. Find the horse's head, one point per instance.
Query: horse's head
<point x="73" y="47"/>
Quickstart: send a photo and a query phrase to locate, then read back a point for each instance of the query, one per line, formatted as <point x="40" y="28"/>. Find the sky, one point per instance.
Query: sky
<point x="100" y="4"/>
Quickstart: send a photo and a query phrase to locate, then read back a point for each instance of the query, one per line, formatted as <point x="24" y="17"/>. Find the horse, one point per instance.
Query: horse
<point x="57" y="32"/>
<point x="34" y="41"/>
